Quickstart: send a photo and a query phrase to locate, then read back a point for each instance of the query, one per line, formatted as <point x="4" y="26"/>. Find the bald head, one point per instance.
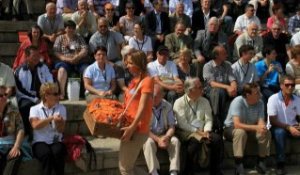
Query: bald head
<point x="51" y="9"/>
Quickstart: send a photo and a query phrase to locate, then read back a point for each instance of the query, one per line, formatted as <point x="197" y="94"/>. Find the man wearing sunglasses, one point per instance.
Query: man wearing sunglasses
<point x="284" y="111"/>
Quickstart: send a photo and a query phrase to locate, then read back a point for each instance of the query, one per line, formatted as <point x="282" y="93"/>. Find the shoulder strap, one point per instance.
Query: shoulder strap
<point x="132" y="97"/>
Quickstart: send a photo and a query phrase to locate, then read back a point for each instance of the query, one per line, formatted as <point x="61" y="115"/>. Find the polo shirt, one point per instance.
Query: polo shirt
<point x="101" y="79"/>
<point x="248" y="114"/>
<point x="165" y="72"/>
<point x="50" y="26"/>
<point x="284" y="114"/>
<point x="47" y="133"/>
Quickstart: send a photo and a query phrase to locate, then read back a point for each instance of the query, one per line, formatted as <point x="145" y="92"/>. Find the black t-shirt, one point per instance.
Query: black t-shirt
<point x="262" y="12"/>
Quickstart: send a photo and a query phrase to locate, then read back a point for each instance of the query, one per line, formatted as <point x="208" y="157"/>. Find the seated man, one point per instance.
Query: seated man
<point x="220" y="84"/>
<point x="165" y="73"/>
<point x="243" y="70"/>
<point x="284" y="112"/>
<point x="207" y="39"/>
<point x="71" y="51"/>
<point x="29" y="77"/>
<point x="177" y="40"/>
<point x="193" y="113"/>
<point x="113" y="41"/>
<point x="246" y="119"/>
<point x="244" y="20"/>
<point x="11" y="135"/>
<point x="162" y="134"/>
<point x="52" y="24"/>
<point x="250" y="37"/>
<point x="180" y="15"/>
<point x="85" y="21"/>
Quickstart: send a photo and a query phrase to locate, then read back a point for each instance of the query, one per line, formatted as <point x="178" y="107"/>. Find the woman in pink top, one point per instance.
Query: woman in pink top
<point x="278" y="15"/>
<point x="35" y="39"/>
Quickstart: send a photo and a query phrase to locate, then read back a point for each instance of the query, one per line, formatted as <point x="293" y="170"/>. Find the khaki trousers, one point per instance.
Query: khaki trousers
<point x="150" y="149"/>
<point x="129" y="152"/>
<point x="239" y="139"/>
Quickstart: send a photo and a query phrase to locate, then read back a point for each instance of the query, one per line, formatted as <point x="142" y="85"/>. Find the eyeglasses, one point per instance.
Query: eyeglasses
<point x="109" y="9"/>
<point x="3" y="95"/>
<point x="292" y="85"/>
<point x="54" y="94"/>
<point x="130" y="8"/>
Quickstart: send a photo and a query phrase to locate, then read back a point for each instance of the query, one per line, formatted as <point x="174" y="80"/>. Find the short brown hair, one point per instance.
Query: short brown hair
<point x="247" y="88"/>
<point x="285" y="77"/>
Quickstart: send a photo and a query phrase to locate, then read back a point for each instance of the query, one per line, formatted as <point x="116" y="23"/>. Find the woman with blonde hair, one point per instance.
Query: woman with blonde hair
<point x="48" y="122"/>
<point x="140" y="90"/>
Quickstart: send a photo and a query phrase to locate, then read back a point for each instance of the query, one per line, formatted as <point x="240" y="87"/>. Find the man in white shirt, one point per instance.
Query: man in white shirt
<point x="284" y="112"/>
<point x="165" y="74"/>
<point x="244" y="20"/>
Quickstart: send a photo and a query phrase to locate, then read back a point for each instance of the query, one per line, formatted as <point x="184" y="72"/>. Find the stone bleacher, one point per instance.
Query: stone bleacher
<point x="107" y="149"/>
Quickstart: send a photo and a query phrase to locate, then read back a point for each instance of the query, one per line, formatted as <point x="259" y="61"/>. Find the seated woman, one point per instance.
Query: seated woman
<point x="185" y="66"/>
<point x="127" y="21"/>
<point x="48" y="122"/>
<point x="268" y="71"/>
<point x="278" y="16"/>
<point x="140" y="41"/>
<point x="34" y="38"/>
<point x="11" y="135"/>
<point x="99" y="78"/>
<point x="293" y="67"/>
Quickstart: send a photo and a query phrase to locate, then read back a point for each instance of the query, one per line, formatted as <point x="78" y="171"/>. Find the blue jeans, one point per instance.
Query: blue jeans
<point x="279" y="136"/>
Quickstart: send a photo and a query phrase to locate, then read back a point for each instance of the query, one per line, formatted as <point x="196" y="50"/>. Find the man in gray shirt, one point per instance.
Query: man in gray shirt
<point x="246" y="119"/>
<point x="113" y="41"/>
<point x="220" y="84"/>
<point x="243" y="70"/>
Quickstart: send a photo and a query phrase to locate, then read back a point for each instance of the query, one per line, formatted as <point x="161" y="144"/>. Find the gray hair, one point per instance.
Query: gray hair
<point x="50" y="4"/>
<point x="189" y="84"/>
<point x="214" y="20"/>
<point x="126" y="50"/>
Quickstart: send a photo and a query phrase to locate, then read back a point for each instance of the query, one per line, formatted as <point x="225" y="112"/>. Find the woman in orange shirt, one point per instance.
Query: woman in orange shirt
<point x="140" y="109"/>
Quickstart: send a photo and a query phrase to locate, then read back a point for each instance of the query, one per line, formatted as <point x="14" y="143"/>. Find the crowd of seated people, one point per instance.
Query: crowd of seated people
<point x="219" y="67"/>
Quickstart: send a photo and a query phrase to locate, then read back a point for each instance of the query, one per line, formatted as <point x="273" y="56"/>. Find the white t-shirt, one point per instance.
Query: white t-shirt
<point x="145" y="45"/>
<point x="165" y="72"/>
<point x="48" y="133"/>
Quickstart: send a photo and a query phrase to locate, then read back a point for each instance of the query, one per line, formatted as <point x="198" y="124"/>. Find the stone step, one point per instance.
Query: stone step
<point x="9" y="37"/>
<point x="107" y="159"/>
<point x="8" y="49"/>
<point x="10" y="26"/>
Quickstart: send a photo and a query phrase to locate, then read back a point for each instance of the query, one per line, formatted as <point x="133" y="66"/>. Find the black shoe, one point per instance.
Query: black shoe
<point x="261" y="168"/>
<point x="280" y="171"/>
<point x="239" y="169"/>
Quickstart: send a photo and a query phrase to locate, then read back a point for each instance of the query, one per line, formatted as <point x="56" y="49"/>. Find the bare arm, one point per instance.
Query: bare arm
<point x="88" y="86"/>
<point x="37" y="123"/>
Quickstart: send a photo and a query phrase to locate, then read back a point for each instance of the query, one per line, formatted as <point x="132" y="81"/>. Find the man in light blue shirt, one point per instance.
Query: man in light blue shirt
<point x="162" y="134"/>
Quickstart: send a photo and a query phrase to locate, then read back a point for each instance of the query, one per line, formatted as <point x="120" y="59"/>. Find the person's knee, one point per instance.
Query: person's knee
<point x="279" y="133"/>
<point x="239" y="133"/>
<point x="149" y="144"/>
<point x="175" y="141"/>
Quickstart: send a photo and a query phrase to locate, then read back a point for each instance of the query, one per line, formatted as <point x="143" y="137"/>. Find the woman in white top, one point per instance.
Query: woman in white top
<point x="48" y="122"/>
<point x="140" y="41"/>
<point x="100" y="78"/>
